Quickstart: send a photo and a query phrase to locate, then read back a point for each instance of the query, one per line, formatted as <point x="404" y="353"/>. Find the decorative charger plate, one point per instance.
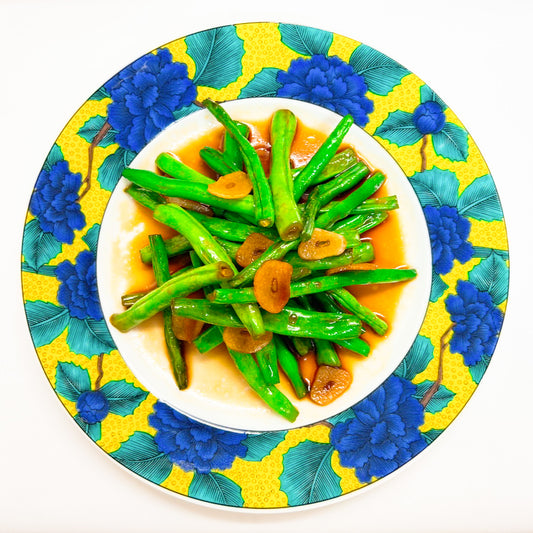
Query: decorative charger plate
<point x="347" y="451"/>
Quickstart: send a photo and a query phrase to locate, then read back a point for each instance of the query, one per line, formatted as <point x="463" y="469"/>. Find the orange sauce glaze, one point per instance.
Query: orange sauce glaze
<point x="386" y="238"/>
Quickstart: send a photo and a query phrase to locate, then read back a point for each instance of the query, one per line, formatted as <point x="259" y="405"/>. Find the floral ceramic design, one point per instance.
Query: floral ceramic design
<point x="374" y="437"/>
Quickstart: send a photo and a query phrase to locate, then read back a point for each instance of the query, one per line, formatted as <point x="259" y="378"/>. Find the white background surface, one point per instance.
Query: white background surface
<point x="477" y="476"/>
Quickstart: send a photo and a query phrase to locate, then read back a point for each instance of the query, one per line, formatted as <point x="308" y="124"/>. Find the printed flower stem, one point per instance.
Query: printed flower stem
<point x="97" y="138"/>
<point x="423" y="164"/>
<point x="444" y="341"/>
<point x="99" y="367"/>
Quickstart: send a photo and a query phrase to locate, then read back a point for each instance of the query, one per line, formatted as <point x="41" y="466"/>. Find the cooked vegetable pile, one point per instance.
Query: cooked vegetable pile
<point x="273" y="254"/>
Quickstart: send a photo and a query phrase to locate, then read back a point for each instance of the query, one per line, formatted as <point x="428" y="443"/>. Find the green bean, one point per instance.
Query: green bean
<point x="375" y="205"/>
<point x="322" y="157"/>
<point x="291" y="321"/>
<point x="347" y="300"/>
<point x="317" y="284"/>
<point x="275" y="251"/>
<point x="343" y="182"/>
<point x="229" y="230"/>
<point x="264" y="204"/>
<point x="329" y="304"/>
<point x="162" y="275"/>
<point x="145" y="197"/>
<point x="267" y="359"/>
<point x="209" y="251"/>
<point x="344" y="259"/>
<point x="302" y="345"/>
<point x="361" y="223"/>
<point x="300" y="273"/>
<point x="340" y="162"/>
<point x="232" y="152"/>
<point x="159" y="298"/>
<point x="189" y="190"/>
<point x="290" y="367"/>
<point x="172" y="166"/>
<point x="353" y="239"/>
<point x="287" y="215"/>
<point x="353" y="200"/>
<point x="209" y="338"/>
<point x="297" y="322"/>
<point x="325" y="351"/>
<point x="178" y="244"/>
<point x="216" y="160"/>
<point x="312" y="206"/>
<point x="268" y="393"/>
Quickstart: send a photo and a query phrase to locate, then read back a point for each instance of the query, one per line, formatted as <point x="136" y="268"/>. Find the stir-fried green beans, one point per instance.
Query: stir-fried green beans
<point x="318" y="316"/>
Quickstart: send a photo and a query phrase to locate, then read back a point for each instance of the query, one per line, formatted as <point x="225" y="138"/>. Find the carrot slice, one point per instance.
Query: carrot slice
<point x="272" y="285"/>
<point x="240" y="340"/>
<point x="253" y="247"/>
<point x="232" y="186"/>
<point x="323" y="243"/>
<point x="329" y="383"/>
<point x="353" y="266"/>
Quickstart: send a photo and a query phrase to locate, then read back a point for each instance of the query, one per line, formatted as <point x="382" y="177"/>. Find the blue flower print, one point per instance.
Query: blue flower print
<point x="145" y="96"/>
<point x="92" y="406"/>
<point x="192" y="445"/>
<point x="77" y="290"/>
<point x="328" y="82"/>
<point x="449" y="233"/>
<point x="55" y="201"/>
<point x="477" y="322"/>
<point x="384" y="433"/>
<point x="429" y="117"/>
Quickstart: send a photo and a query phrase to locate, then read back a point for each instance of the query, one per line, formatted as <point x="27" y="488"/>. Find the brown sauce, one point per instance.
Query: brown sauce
<point x="386" y="239"/>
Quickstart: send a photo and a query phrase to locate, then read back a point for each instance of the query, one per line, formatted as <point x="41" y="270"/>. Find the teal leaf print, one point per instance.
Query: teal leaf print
<point x="428" y="95"/>
<point x="111" y="168"/>
<point x="89" y="337"/>
<point x="71" y="380"/>
<point x="123" y="397"/>
<point x="436" y="187"/>
<point x="92" y="127"/>
<point x="38" y="247"/>
<point x="46" y="321"/>
<point x="141" y="455"/>
<point x="438" y="286"/>
<point x="217" y="54"/>
<point x="262" y="444"/>
<point x="483" y="252"/>
<point x="398" y="128"/>
<point x="346" y="415"/>
<point x="491" y="275"/>
<point x="94" y="431"/>
<point x="100" y="94"/>
<point x="304" y="40"/>
<point x="184" y="111"/>
<point x="264" y="83"/>
<point x="308" y="476"/>
<point x="54" y="156"/>
<point x="215" y="488"/>
<point x="439" y="401"/>
<point x="477" y="370"/>
<point x="417" y="359"/>
<point x="431" y="435"/>
<point x="480" y="200"/>
<point x="381" y="73"/>
<point x="91" y="237"/>
<point x="451" y="142"/>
